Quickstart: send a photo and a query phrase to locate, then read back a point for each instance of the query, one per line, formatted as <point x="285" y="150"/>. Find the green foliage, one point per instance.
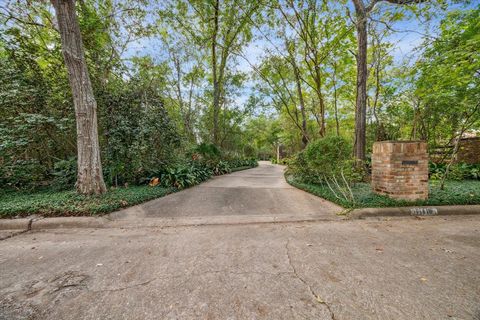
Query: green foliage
<point x="53" y="202"/>
<point x="327" y="158"/>
<point x="208" y="151"/>
<point x="221" y="167"/>
<point x="455" y="193"/>
<point x="241" y="163"/>
<point x="37" y="120"/>
<point x="140" y="138"/>
<point x="457" y="171"/>
<point x="18" y="174"/>
<point x="447" y="81"/>
<point x="297" y="166"/>
<point x="68" y="203"/>
<point x="329" y="155"/>
<point x="185" y="175"/>
<point x="64" y="174"/>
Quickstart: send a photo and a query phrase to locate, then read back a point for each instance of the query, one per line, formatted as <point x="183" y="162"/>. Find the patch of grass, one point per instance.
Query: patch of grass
<point x="69" y="203"/>
<point x="455" y="193"/>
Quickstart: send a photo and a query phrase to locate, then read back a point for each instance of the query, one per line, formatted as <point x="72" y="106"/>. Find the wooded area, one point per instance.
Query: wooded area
<point x="126" y="90"/>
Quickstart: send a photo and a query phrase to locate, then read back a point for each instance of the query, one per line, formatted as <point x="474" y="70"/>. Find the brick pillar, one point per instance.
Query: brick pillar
<point x="400" y="169"/>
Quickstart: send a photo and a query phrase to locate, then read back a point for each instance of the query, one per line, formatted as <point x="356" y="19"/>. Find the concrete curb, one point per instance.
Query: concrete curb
<point x="69" y="222"/>
<point x="141" y="222"/>
<point x="15" y="224"/>
<point x="413" y="211"/>
<point x="26" y="224"/>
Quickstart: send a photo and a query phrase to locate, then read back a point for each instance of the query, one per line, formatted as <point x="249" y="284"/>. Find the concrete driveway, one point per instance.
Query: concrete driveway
<point x="258" y="191"/>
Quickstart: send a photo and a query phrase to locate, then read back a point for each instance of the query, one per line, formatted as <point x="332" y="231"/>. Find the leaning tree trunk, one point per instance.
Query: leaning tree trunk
<point x="89" y="176"/>
<point x="362" y="73"/>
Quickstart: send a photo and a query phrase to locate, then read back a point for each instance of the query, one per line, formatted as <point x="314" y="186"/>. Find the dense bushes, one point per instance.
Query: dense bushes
<point x="457" y="171"/>
<point x="64" y="173"/>
<point x="20" y="173"/>
<point x="240" y="163"/>
<point x="283" y="161"/>
<point x="137" y="136"/>
<point x="322" y="160"/>
<point x="183" y="175"/>
<point x="206" y="160"/>
<point x="327" y="162"/>
<point x="60" y="203"/>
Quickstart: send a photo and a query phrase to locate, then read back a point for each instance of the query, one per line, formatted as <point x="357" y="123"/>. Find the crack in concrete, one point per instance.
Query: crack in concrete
<point x="29" y="228"/>
<point x="127" y="287"/>
<point x="14" y="234"/>
<point x="310" y="289"/>
<point x="187" y="276"/>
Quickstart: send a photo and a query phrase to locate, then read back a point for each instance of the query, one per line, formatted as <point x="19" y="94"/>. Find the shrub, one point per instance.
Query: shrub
<point x="322" y="159"/>
<point x="239" y="163"/>
<point x="64" y="174"/>
<point x="185" y="175"/>
<point x="327" y="161"/>
<point x="328" y="155"/>
<point x="221" y="167"/>
<point x="208" y="151"/>
<point x="458" y="171"/>
<point x="297" y="166"/>
<point x="23" y="174"/>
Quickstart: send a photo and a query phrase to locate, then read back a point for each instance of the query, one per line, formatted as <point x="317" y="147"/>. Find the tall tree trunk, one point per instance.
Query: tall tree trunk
<point x="361" y="12"/>
<point x="362" y="74"/>
<point x="302" y="104"/>
<point x="298" y="81"/>
<point x="216" y="82"/>
<point x="318" y="90"/>
<point x="89" y="176"/>
<point x="335" y="104"/>
<point x="379" y="135"/>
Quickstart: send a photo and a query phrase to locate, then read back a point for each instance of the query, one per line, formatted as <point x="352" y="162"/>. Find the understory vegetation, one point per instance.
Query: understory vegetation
<point x="50" y="203"/>
<point x="455" y="193"/>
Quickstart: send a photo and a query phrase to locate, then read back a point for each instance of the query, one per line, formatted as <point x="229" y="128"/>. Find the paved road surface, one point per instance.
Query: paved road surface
<point x="400" y="269"/>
